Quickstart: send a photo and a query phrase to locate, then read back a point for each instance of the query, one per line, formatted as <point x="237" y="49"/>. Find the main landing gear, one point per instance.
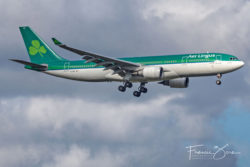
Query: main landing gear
<point x="127" y="84"/>
<point x="218" y="82"/>
<point x="141" y="89"/>
<point x="123" y="87"/>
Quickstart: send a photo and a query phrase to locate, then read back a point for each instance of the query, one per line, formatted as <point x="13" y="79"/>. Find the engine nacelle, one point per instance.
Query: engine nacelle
<point x="176" y="83"/>
<point x="152" y="72"/>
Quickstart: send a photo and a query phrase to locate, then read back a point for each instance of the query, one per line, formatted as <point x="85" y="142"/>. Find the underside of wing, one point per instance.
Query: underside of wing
<point x="118" y="66"/>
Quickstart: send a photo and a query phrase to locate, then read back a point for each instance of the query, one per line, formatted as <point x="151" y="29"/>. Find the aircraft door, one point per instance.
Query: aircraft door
<point x="66" y="66"/>
<point x="218" y="59"/>
<point x="185" y="66"/>
<point x="184" y="60"/>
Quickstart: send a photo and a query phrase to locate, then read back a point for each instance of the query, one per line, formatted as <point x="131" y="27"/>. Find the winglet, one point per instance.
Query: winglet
<point x="56" y="42"/>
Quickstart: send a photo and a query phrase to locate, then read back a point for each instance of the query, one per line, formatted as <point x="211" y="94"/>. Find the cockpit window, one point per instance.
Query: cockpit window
<point x="233" y="58"/>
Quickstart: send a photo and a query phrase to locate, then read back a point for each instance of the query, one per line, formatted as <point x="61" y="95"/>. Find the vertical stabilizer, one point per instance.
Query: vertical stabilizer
<point x="39" y="52"/>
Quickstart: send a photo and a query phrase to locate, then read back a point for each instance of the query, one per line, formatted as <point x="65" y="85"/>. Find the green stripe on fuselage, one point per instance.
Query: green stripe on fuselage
<point x="150" y="60"/>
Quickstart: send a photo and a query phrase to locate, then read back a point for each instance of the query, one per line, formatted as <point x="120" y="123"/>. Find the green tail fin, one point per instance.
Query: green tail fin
<point x="39" y="52"/>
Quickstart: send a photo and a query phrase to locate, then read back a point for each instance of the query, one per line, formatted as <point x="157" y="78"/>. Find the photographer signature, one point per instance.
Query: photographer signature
<point x="200" y="152"/>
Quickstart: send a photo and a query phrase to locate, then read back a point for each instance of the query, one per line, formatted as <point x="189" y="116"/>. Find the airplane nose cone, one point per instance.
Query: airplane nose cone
<point x="238" y="64"/>
<point x="241" y="64"/>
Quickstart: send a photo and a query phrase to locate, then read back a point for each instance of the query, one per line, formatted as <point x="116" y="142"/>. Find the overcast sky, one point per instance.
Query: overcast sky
<point x="47" y="121"/>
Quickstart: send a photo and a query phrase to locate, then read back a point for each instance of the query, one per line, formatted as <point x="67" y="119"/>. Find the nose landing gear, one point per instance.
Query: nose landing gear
<point x="218" y="82"/>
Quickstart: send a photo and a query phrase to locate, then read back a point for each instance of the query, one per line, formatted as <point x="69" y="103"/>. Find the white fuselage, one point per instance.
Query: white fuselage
<point x="171" y="71"/>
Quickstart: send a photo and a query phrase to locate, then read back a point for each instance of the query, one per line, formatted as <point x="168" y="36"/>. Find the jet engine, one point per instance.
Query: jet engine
<point x="176" y="83"/>
<point x="152" y="72"/>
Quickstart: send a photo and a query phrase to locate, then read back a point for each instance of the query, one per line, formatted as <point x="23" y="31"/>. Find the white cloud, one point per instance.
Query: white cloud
<point x="78" y="157"/>
<point x="204" y="25"/>
<point x="18" y="155"/>
<point x="46" y="156"/>
<point x="113" y="120"/>
<point x="187" y="9"/>
<point x="54" y="131"/>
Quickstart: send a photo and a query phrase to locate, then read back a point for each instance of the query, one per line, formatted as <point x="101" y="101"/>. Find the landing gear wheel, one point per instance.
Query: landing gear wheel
<point x="137" y="94"/>
<point x="128" y="85"/>
<point x="218" y="82"/>
<point x="219" y="76"/>
<point x="122" y="88"/>
<point x="143" y="89"/>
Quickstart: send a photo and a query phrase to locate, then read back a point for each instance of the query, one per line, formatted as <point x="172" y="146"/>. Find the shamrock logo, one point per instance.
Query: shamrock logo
<point x="36" y="48"/>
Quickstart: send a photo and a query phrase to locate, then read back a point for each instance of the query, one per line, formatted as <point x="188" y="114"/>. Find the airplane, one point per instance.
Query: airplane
<point x="168" y="70"/>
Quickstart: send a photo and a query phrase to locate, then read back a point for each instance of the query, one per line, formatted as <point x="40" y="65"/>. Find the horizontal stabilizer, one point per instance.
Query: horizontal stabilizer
<point x="33" y="66"/>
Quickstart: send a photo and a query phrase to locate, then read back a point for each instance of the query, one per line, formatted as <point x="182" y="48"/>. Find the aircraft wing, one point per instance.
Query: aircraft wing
<point x="119" y="66"/>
